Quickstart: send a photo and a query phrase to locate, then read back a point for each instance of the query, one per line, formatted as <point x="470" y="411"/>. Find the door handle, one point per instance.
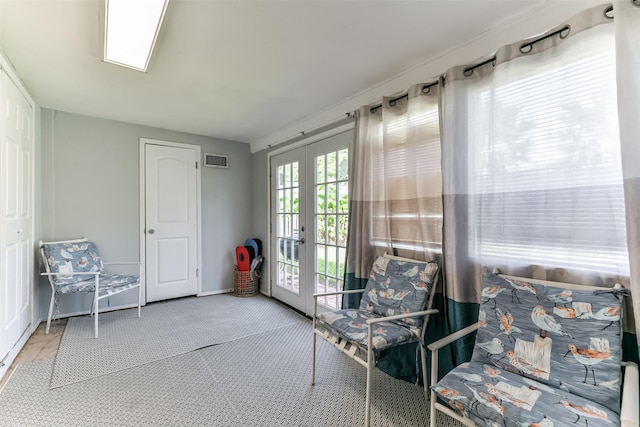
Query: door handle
<point x="151" y="231"/>
<point x="301" y="241"/>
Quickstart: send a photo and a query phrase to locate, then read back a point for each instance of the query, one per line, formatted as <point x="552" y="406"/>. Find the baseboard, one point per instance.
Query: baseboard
<point x="13" y="353"/>
<point x="206" y="294"/>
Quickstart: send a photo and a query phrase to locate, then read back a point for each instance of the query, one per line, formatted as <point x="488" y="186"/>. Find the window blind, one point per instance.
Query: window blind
<point x="546" y="181"/>
<point x="407" y="169"/>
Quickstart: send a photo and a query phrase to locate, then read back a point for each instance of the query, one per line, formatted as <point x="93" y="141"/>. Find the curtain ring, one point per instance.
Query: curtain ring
<point x="426" y="89"/>
<point x="636" y="2"/>
<point x="526" y="48"/>
<point x="564" y="33"/>
<point x="608" y="12"/>
<point x="468" y="72"/>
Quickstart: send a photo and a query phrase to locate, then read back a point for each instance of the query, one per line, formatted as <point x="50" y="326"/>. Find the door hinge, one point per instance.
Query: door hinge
<point x="197" y="272"/>
<point x="196" y="165"/>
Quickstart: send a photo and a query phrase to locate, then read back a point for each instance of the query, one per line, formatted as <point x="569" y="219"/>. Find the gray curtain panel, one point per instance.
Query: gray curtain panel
<point x="530" y="161"/>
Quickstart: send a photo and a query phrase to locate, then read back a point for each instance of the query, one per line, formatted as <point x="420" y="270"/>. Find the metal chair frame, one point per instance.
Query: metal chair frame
<point x="365" y="356"/>
<point x="629" y="396"/>
<point x="96" y="293"/>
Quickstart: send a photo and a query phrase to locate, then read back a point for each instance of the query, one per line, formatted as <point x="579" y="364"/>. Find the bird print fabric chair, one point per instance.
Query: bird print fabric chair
<point x="394" y="310"/>
<point x="546" y="354"/>
<point x="74" y="266"/>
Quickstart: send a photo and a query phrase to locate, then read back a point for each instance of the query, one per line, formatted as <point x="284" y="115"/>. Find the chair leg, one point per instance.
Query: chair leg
<point x="434" y="381"/>
<point x="51" y="304"/>
<point x="313" y="331"/>
<point x="423" y="356"/>
<point x="96" y="306"/>
<point x="370" y="367"/>
<point x="313" y="363"/>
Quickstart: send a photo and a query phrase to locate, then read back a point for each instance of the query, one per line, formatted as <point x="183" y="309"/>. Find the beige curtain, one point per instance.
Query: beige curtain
<point x="395" y="185"/>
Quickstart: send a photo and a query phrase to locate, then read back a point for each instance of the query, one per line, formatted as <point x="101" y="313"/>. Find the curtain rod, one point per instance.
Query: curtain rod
<point x="525" y="48"/>
<point x="425" y="89"/>
<point x="308" y="134"/>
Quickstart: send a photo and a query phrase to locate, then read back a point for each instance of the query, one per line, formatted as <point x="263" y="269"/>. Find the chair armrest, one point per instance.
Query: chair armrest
<point x="402" y="316"/>
<point x="122" y="263"/>
<point x="630" y="406"/>
<point x="354" y="291"/>
<point x="436" y="345"/>
<point x="75" y="273"/>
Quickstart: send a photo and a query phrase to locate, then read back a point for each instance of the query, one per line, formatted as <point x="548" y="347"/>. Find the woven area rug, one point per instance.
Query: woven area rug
<point x="260" y="380"/>
<point x="165" y="329"/>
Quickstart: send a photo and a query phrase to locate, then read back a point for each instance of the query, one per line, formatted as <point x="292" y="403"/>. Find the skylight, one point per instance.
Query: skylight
<point x="131" y="29"/>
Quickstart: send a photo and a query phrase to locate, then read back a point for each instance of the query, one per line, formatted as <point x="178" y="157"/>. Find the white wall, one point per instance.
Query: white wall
<point x="90" y="187"/>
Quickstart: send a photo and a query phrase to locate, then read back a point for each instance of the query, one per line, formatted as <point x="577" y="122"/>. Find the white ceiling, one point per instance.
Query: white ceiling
<point x="238" y="70"/>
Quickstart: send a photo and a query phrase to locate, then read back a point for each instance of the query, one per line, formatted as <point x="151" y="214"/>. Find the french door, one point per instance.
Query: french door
<point x="288" y="228"/>
<point x="309" y="214"/>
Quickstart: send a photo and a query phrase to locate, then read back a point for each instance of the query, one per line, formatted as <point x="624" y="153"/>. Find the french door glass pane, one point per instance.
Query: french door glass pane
<point x="287" y="226"/>
<point x="332" y="201"/>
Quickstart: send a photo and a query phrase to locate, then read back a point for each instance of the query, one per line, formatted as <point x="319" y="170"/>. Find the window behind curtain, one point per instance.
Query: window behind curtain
<point x="407" y="168"/>
<point x="546" y="173"/>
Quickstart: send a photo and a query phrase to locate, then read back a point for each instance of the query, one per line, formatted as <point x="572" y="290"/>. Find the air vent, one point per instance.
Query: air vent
<point x="216" y="160"/>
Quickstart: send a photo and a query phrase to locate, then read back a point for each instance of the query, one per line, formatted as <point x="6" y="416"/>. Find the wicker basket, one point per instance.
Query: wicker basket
<point x="245" y="283"/>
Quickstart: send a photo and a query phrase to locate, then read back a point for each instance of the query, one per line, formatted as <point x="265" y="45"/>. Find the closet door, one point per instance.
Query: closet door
<point x="16" y="229"/>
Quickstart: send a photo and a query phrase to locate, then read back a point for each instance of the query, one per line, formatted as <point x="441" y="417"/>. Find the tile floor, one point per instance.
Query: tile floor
<point x="40" y="346"/>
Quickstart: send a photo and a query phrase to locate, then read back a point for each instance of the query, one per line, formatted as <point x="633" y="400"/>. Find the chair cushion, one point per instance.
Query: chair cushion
<point x="559" y="337"/>
<point x="397" y="287"/>
<point x="108" y="284"/>
<point x="493" y="397"/>
<point x="352" y="324"/>
<point x="72" y="257"/>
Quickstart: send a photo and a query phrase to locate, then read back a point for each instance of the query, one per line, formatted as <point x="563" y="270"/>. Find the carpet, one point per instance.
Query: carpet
<point x="164" y="330"/>
<point x="258" y="380"/>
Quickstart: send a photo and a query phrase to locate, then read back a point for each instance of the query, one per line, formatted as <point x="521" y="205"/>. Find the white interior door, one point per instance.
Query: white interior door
<point x="171" y="224"/>
<point x="16" y="233"/>
<point x="309" y="214"/>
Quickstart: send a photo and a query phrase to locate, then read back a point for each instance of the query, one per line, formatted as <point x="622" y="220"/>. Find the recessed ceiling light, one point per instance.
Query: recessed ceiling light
<point x="131" y="30"/>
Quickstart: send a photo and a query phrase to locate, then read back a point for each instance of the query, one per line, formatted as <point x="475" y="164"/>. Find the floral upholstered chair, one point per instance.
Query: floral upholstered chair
<point x="546" y="354"/>
<point x="394" y="310"/>
<point x="75" y="266"/>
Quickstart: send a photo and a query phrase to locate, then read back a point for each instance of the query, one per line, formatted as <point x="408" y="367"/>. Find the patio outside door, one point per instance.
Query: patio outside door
<point x="309" y="216"/>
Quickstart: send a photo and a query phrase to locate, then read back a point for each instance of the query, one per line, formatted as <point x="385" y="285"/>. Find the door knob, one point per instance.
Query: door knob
<point x="151" y="231"/>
